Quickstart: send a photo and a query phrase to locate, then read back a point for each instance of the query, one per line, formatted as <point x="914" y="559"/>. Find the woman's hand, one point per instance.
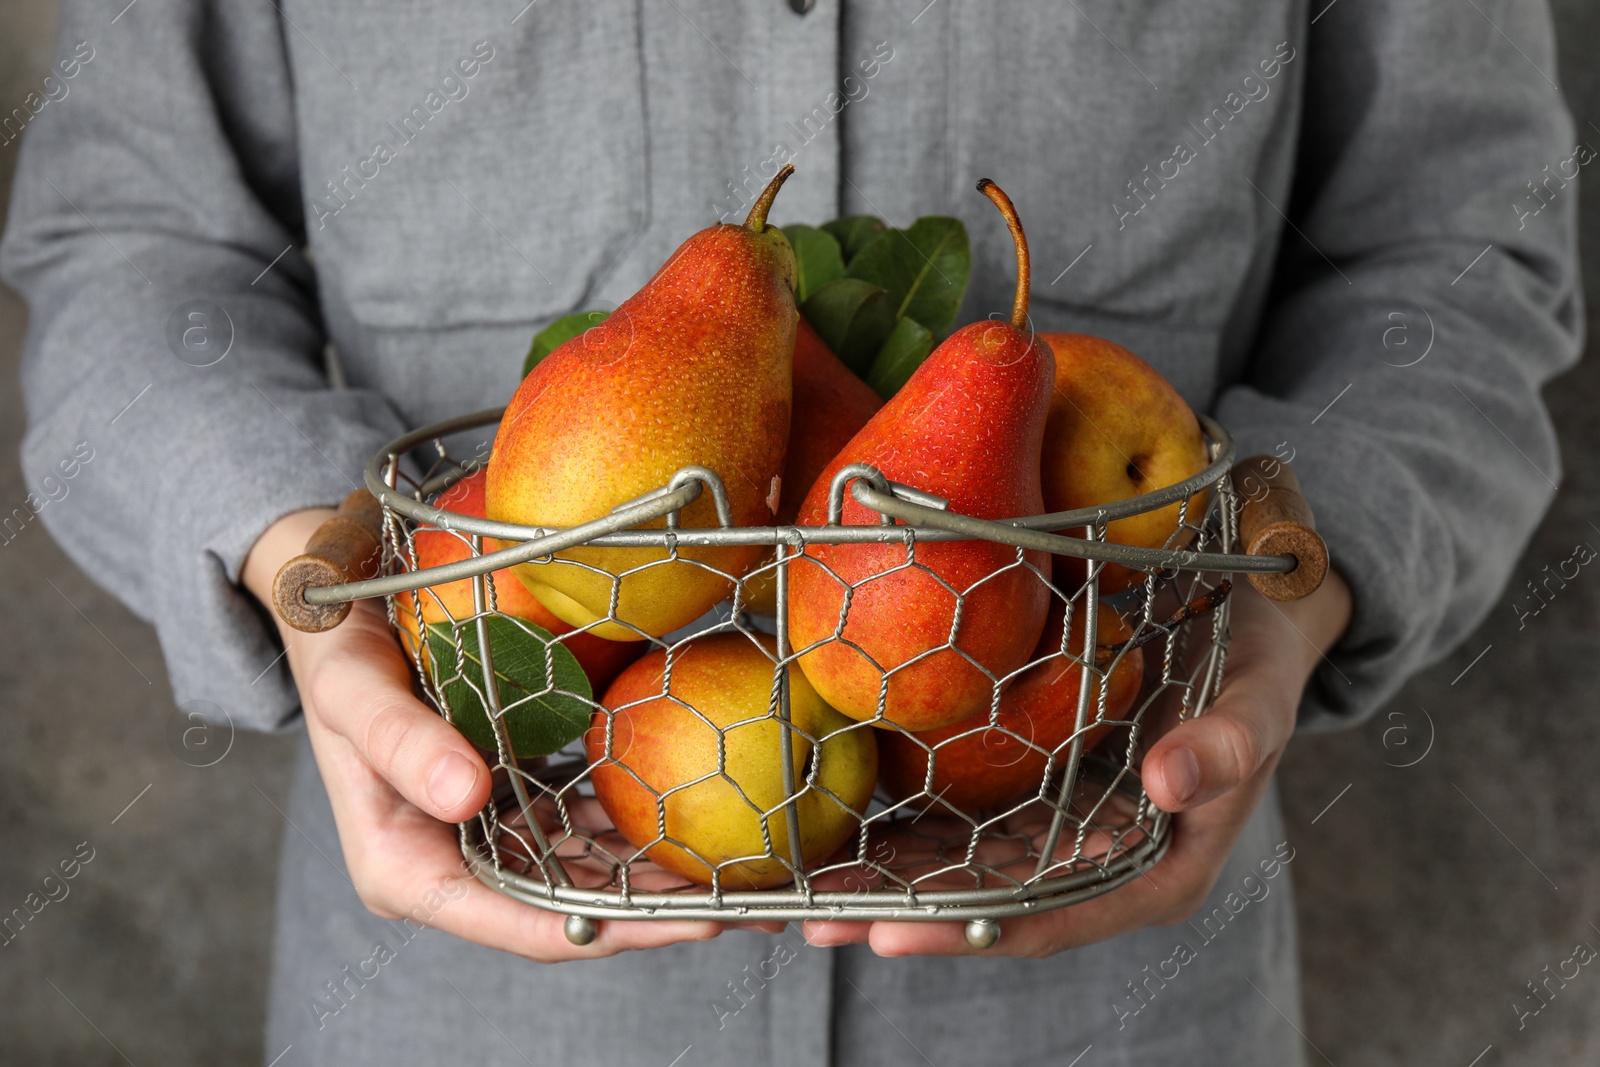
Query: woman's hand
<point x="1213" y="769"/>
<point x="398" y="775"/>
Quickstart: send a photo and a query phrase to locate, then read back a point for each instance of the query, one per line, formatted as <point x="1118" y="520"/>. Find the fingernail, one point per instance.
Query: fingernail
<point x="452" y="782"/>
<point x="1182" y="771"/>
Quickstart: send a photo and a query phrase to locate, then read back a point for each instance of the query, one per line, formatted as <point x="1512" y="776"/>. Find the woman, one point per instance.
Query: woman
<point x="1255" y="197"/>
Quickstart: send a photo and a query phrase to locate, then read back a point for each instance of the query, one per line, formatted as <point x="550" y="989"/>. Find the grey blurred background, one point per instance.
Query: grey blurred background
<point x="1447" y="852"/>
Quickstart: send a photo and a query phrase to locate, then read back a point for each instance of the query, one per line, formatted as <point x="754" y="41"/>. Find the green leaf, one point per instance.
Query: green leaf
<point x="854" y="318"/>
<point x="538" y="679"/>
<point x="817" y="254"/>
<point x="924" y="268"/>
<point x="559" y="333"/>
<point x="901" y="355"/>
<point x="854" y="232"/>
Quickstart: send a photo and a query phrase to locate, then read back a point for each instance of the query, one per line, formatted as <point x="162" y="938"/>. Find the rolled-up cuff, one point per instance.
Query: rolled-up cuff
<point x="1383" y="537"/>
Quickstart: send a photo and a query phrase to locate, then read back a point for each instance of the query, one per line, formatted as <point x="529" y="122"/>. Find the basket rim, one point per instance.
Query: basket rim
<point x="925" y="518"/>
<point x="794" y="904"/>
<point x="1220" y="443"/>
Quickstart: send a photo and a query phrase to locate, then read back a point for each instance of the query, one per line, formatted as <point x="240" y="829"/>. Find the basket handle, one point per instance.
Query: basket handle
<point x="345" y="548"/>
<point x="1275" y="519"/>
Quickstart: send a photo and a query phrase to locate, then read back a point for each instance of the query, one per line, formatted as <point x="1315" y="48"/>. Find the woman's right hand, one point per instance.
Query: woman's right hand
<point x="399" y="776"/>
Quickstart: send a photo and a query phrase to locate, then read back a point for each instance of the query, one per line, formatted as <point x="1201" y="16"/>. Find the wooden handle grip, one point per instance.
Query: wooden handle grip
<point x="1274" y="519"/>
<point x="346" y="548"/>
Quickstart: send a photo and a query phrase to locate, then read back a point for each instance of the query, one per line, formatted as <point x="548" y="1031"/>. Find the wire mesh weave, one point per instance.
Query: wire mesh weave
<point x="1082" y="827"/>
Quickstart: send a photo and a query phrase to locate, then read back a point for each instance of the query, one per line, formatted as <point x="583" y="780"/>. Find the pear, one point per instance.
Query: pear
<point x="600" y="659"/>
<point x="983" y="763"/>
<point x="694" y="368"/>
<point x="830" y="405"/>
<point x="687" y="763"/>
<point x="967" y="426"/>
<point x="1117" y="428"/>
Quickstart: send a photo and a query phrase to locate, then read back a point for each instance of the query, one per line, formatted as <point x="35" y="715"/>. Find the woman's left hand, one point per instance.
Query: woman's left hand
<point x="1213" y="769"/>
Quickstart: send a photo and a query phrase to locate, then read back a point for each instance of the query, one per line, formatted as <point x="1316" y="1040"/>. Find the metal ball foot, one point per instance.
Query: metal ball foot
<point x="983" y="933"/>
<point x="580" y="929"/>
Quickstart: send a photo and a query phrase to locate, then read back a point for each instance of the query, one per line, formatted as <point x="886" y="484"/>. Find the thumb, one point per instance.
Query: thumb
<point x="359" y="686"/>
<point x="1202" y="758"/>
<point x="1273" y="650"/>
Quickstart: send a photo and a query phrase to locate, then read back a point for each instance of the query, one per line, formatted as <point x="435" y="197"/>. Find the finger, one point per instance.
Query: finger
<point x="589" y="866"/>
<point x="831" y="933"/>
<point x="359" y="685"/>
<point x="1203" y="758"/>
<point x="1169" y="892"/>
<point x="485" y="917"/>
<point x="488" y="918"/>
<point x="404" y="864"/>
<point x="1273" y="650"/>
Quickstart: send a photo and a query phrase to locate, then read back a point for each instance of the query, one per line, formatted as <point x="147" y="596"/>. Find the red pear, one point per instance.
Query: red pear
<point x="979" y="763"/>
<point x="968" y="426"/>
<point x="830" y="406"/>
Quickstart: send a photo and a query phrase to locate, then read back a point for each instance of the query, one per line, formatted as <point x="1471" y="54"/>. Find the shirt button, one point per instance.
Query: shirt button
<point x="802" y="7"/>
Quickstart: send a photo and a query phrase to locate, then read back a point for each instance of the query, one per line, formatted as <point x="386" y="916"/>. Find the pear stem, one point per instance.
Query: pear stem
<point x="756" y="221"/>
<point x="1019" y="308"/>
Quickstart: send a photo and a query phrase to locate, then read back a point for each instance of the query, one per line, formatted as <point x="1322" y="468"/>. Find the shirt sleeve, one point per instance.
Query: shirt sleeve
<point x="1427" y="289"/>
<point x="155" y="233"/>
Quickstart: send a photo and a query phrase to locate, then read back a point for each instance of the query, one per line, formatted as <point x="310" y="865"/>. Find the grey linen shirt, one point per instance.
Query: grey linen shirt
<point x="1351" y="241"/>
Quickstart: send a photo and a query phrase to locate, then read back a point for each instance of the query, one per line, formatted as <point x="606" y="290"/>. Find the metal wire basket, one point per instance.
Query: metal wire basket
<point x="1083" y="826"/>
